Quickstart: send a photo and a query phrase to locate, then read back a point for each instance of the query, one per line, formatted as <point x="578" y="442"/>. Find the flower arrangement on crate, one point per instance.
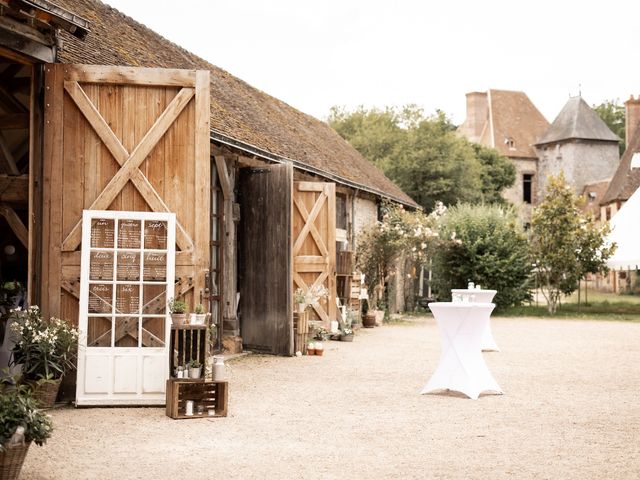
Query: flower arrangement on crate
<point x="299" y="299"/>
<point x="45" y="350"/>
<point x="346" y="328"/>
<point x="178" y="311"/>
<point x="22" y="423"/>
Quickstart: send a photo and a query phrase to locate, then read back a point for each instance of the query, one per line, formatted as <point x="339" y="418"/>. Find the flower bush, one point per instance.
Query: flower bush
<point x="412" y="233"/>
<point x="45" y="349"/>
<point x="18" y="408"/>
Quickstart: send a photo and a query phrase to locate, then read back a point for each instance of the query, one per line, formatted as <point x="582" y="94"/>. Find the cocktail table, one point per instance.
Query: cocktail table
<point x="481" y="296"/>
<point x="462" y="367"/>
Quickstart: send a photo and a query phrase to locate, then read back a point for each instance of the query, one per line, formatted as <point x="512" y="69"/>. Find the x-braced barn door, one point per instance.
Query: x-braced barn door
<point x="127" y="277"/>
<point x="127" y="140"/>
<point x="264" y="278"/>
<point x="314" y="243"/>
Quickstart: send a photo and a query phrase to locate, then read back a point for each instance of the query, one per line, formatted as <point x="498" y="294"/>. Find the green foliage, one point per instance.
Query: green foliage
<point x="484" y="244"/>
<point x="498" y="173"/>
<point x="18" y="408"/>
<point x="45" y="349"/>
<point x="424" y="156"/>
<point x="177" y="306"/>
<point x="400" y="231"/>
<point x="614" y="115"/>
<point x="565" y="243"/>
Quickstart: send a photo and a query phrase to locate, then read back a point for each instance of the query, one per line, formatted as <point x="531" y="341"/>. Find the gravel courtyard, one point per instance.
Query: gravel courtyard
<point x="571" y="410"/>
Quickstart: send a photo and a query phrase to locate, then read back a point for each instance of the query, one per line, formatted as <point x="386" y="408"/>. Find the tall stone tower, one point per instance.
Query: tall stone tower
<point x="579" y="144"/>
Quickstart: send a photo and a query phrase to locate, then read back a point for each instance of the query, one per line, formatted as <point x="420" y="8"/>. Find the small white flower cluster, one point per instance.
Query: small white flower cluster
<point x="315" y="294"/>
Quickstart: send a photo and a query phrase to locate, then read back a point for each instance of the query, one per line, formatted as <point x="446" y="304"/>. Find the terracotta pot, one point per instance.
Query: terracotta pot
<point x="311" y="351"/>
<point x="179" y="318"/>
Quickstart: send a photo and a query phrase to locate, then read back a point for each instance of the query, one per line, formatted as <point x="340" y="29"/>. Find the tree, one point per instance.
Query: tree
<point x="424" y="156"/>
<point x="565" y="243"/>
<point x="613" y="114"/>
<point x="484" y="244"/>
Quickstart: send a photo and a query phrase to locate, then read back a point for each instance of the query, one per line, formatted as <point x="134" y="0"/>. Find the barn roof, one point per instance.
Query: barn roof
<point x="626" y="180"/>
<point x="577" y="120"/>
<point x="241" y="116"/>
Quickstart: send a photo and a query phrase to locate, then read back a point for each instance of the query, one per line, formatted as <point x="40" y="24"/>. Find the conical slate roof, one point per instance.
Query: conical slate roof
<point x="578" y="120"/>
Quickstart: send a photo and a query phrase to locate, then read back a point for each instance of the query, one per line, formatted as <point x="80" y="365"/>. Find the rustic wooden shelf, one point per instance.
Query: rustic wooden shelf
<point x="188" y="342"/>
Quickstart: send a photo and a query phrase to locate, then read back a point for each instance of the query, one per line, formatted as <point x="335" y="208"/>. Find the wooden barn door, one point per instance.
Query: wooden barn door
<point x="314" y="242"/>
<point x="264" y="276"/>
<point x="123" y="139"/>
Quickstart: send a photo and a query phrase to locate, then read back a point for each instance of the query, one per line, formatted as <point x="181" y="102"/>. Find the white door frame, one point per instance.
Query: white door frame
<point x="110" y="375"/>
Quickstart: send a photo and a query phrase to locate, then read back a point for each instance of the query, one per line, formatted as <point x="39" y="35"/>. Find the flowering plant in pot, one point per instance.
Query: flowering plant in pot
<point x="21" y="424"/>
<point x="299" y="299"/>
<point x="45" y="350"/>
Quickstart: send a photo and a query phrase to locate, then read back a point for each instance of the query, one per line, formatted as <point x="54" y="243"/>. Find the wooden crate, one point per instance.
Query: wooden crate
<point x="203" y="393"/>
<point x="301" y="331"/>
<point x="188" y="342"/>
<point x="344" y="263"/>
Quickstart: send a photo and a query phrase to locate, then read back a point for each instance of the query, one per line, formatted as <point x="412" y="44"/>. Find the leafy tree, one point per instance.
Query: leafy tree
<point x="498" y="173"/>
<point x="424" y="156"/>
<point x="613" y="114"/>
<point x="565" y="243"/>
<point x="485" y="244"/>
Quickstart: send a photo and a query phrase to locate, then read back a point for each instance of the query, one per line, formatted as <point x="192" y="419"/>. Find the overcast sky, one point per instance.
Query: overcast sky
<point x="316" y="54"/>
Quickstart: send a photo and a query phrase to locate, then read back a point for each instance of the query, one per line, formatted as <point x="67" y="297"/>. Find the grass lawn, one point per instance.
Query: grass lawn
<point x="601" y="306"/>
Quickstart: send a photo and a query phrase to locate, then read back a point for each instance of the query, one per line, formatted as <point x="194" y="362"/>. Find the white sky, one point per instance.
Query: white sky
<point x="316" y="54"/>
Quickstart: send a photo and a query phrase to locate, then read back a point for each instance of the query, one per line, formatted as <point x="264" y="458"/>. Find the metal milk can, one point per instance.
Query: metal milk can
<point x="219" y="369"/>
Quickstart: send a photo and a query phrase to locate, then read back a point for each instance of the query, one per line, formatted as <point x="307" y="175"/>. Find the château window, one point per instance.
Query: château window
<point x="527" y="186"/>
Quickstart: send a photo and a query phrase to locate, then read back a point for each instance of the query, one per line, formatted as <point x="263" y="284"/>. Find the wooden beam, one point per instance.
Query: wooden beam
<point x="14" y="189"/>
<point x="223" y="175"/>
<point x="10" y="162"/>
<point x="15" y="224"/>
<point x="157" y="77"/>
<point x="14" y="121"/>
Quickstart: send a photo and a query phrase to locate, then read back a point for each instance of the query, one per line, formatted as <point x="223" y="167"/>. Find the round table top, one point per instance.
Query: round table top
<point x="462" y="304"/>
<point x="472" y="290"/>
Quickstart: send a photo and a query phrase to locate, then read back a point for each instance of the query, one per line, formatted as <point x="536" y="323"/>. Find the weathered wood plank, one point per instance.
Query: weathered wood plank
<point x="14" y="189"/>
<point x="223" y="176"/>
<point x="265" y="272"/>
<point x="131" y="75"/>
<point x="15" y="224"/>
<point x="7" y="156"/>
<point x="15" y="121"/>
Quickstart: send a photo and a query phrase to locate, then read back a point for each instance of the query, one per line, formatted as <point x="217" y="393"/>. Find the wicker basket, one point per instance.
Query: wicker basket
<point x="11" y="460"/>
<point x="45" y="393"/>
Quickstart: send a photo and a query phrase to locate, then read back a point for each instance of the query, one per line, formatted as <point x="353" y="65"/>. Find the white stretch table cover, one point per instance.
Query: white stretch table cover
<point x="462" y="367"/>
<point x="482" y="296"/>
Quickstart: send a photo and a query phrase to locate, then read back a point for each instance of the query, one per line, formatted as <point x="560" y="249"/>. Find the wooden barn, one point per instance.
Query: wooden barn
<point x="132" y="170"/>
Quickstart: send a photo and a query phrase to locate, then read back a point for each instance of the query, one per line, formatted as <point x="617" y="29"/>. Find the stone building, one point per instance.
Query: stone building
<point x="579" y="144"/>
<point x="509" y="122"/>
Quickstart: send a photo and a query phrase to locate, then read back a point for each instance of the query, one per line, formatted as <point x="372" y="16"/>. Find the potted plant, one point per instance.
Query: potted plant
<point x="299" y="299"/>
<point x="177" y="309"/>
<point x="44" y="350"/>
<point x="198" y="316"/>
<point x="368" y="317"/>
<point x="22" y="423"/>
<point x="195" y="368"/>
<point x="346" y="329"/>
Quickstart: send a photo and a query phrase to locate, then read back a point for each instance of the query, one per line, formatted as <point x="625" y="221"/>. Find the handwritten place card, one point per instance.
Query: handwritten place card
<point x="102" y="232"/>
<point x="100" y="295"/>
<point x="101" y="266"/>
<point x="127" y="298"/>
<point x="128" y="266"/>
<point x="155" y="235"/>
<point x="129" y="233"/>
<point x="155" y="267"/>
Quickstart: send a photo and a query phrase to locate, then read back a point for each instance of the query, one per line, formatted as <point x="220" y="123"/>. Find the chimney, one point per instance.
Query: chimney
<point x="477" y="110"/>
<point x="632" y="114"/>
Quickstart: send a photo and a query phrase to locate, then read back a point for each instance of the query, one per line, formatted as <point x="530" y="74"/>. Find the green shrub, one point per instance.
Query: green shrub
<point x="484" y="244"/>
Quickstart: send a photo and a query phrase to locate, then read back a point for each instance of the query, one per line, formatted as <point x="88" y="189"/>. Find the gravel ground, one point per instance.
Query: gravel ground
<point x="571" y="410"/>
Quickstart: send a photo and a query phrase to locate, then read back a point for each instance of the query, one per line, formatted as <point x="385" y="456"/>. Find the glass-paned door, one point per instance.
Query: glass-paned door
<point x="127" y="277"/>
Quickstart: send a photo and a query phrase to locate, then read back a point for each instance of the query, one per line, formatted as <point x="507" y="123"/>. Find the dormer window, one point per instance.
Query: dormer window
<point x="510" y="143"/>
<point x="591" y="196"/>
